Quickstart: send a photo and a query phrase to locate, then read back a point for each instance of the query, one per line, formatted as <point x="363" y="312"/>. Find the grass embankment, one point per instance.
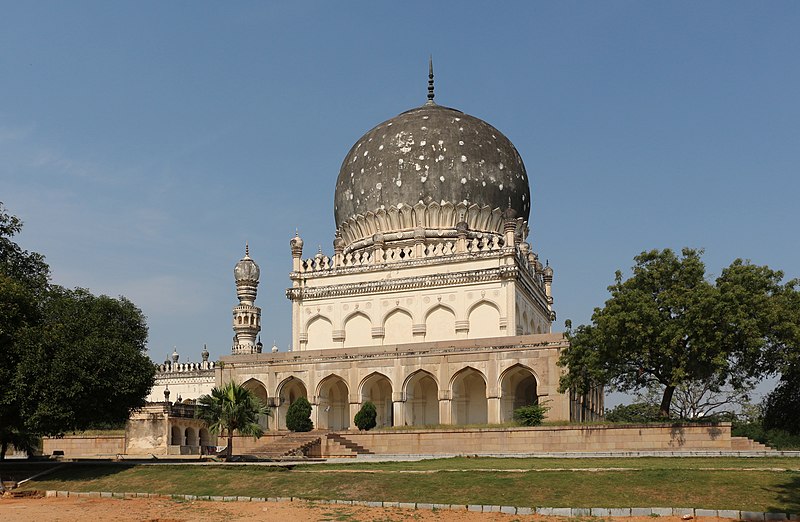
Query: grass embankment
<point x="724" y="483"/>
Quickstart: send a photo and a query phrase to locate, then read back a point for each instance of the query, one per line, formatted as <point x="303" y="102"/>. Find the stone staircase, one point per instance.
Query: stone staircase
<point x="293" y="444"/>
<point x="349" y="444"/>
<point x="745" y="444"/>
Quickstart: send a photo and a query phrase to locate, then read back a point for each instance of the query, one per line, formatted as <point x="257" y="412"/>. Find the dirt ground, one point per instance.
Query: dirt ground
<point x="165" y="510"/>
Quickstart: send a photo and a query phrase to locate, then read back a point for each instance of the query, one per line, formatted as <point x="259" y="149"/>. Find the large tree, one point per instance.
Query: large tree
<point x="232" y="409"/>
<point x="69" y="360"/>
<point x="669" y="325"/>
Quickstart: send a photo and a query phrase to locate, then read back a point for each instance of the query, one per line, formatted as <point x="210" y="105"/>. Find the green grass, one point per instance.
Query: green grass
<point x="678" y="482"/>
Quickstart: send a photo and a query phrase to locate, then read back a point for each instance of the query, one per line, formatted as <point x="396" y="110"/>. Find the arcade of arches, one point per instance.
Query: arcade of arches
<point x="421" y="387"/>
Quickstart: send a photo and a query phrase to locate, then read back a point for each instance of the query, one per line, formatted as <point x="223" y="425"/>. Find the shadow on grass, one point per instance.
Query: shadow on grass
<point x="788" y="494"/>
<point x="67" y="471"/>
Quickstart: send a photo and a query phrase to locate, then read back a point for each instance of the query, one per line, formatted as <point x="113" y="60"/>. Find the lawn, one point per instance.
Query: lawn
<point x="723" y="483"/>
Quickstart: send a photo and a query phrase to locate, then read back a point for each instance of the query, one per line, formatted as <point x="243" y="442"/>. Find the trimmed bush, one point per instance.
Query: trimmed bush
<point x="532" y="415"/>
<point x="298" y="417"/>
<point x="366" y="418"/>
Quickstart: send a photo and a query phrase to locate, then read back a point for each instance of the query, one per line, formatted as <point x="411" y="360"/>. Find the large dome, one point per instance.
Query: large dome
<point x="431" y="155"/>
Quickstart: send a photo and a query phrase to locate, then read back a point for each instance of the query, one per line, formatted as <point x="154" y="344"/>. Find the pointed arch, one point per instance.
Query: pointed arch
<point x="357" y="330"/>
<point x="397" y="326"/>
<point x="440" y="323"/>
<point x="469" y="404"/>
<point x="421" y="395"/>
<point x="258" y="389"/>
<point x="518" y="385"/>
<point x="320" y="333"/>
<point x="288" y="391"/>
<point x="484" y="320"/>
<point x="377" y="388"/>
<point x="333" y="403"/>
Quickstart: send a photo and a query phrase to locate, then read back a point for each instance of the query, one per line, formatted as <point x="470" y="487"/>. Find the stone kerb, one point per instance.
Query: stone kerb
<point x="567" y="512"/>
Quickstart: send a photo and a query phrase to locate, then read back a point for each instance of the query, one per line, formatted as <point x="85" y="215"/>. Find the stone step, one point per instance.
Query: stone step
<point x="347" y="443"/>
<point x="292" y="444"/>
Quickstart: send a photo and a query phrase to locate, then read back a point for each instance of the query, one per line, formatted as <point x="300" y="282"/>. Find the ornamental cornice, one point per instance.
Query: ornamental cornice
<point x="410" y="263"/>
<point x="405" y="283"/>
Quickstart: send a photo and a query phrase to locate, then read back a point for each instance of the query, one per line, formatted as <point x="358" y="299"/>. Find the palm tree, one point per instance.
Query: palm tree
<point x="232" y="408"/>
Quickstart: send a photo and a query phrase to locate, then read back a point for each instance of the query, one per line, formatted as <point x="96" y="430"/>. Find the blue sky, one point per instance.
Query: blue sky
<point x="142" y="143"/>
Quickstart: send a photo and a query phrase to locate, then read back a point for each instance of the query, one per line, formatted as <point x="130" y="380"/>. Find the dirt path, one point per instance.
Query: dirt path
<point x="165" y="510"/>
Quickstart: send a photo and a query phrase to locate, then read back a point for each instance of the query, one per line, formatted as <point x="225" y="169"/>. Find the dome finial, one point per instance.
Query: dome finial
<point x="246" y="249"/>
<point x="430" y="82"/>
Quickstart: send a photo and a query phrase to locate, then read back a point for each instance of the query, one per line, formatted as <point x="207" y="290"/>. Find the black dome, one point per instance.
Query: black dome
<point x="431" y="154"/>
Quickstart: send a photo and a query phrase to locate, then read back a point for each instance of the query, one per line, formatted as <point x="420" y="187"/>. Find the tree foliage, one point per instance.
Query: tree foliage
<point x="367" y="416"/>
<point x="667" y="325"/>
<point x="232" y="409"/>
<point x="69" y="360"/>
<point x="782" y="405"/>
<point x="298" y="416"/>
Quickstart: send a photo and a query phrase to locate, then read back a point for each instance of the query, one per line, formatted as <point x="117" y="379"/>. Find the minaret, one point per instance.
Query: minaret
<point x="246" y="316"/>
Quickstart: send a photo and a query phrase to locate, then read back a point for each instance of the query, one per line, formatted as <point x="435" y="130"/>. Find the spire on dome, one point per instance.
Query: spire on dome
<point x="430" y="82"/>
<point x="246" y="249"/>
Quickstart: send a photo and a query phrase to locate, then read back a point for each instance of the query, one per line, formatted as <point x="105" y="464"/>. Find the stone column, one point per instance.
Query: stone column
<point x="398" y="409"/>
<point x="354" y="407"/>
<point x="445" y="407"/>
<point x="493" y="410"/>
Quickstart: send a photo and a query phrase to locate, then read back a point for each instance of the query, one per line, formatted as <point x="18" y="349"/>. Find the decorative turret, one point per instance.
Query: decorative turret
<point x="246" y="316"/>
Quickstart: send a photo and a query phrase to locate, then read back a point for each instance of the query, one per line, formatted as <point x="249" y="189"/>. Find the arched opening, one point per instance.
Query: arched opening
<point x="377" y="388"/>
<point x="469" y="404"/>
<point x="397" y="328"/>
<point x="357" y="330"/>
<point x="190" y="437"/>
<point x="440" y="324"/>
<point x="517" y="389"/>
<point x="526" y="327"/>
<point x="422" y="400"/>
<point x="176" y="437"/>
<point x="320" y="333"/>
<point x="484" y="321"/>
<point x="205" y="438"/>
<point x="258" y="389"/>
<point x="289" y="391"/>
<point x="333" y="408"/>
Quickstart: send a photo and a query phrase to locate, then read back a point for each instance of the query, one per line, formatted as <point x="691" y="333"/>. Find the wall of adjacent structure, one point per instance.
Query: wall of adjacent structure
<point x="85" y="446"/>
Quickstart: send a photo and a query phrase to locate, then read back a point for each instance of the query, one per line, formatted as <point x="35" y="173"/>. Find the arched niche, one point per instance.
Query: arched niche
<point x="397" y="327"/>
<point x="518" y="388"/>
<point x="333" y="407"/>
<point x="377" y="388"/>
<point x="289" y="390"/>
<point x="422" y="399"/>
<point x="469" y="404"/>
<point x="320" y="333"/>
<point x="358" y="330"/>
<point x="440" y="324"/>
<point x="484" y="320"/>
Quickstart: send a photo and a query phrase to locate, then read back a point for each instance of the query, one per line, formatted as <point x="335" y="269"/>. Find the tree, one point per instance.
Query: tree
<point x="298" y="416"/>
<point x="668" y="325"/>
<point x="232" y="408"/>
<point x="69" y="360"/>
<point x="366" y="418"/>
<point x="782" y="405"/>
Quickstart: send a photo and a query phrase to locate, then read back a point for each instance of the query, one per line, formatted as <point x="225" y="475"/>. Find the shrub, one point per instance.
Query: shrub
<point x="366" y="417"/>
<point x="532" y="415"/>
<point x="636" y="413"/>
<point x="298" y="417"/>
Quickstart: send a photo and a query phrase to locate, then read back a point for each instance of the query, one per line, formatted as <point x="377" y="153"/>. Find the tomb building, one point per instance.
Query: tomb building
<point x="433" y="304"/>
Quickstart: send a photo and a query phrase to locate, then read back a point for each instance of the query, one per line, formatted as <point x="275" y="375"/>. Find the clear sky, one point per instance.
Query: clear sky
<point x="142" y="143"/>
